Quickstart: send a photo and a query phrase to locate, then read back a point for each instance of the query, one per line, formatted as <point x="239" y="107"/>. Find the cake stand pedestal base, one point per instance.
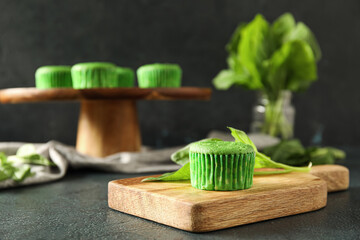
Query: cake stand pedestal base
<point x="108" y="126"/>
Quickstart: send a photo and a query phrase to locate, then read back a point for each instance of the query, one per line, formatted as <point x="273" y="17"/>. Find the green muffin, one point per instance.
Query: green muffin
<point x="221" y="165"/>
<point x="125" y="77"/>
<point x="94" y="75"/>
<point x="159" y="75"/>
<point x="53" y="77"/>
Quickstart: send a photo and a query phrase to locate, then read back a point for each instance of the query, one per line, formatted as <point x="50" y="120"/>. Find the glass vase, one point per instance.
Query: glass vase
<point x="274" y="117"/>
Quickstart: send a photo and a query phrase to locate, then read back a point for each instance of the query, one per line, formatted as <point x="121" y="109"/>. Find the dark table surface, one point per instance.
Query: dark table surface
<point x="76" y="208"/>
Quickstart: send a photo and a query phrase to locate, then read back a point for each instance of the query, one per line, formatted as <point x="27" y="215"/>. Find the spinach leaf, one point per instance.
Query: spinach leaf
<point x="254" y="48"/>
<point x="6" y="169"/>
<point x="261" y="160"/>
<point x="303" y="33"/>
<point x="16" y="167"/>
<point x="3" y="158"/>
<point x="289" y="152"/>
<point x="27" y="154"/>
<point x="3" y="175"/>
<point x="233" y="45"/>
<point x="26" y="150"/>
<point x="35" y="159"/>
<point x="181" y="174"/>
<point x="292" y="152"/>
<point x="22" y="172"/>
<point x="336" y="153"/>
<point x="324" y="155"/>
<point x="240" y="136"/>
<point x="291" y="67"/>
<point x="320" y="156"/>
<point x="226" y="78"/>
<point x="257" y="173"/>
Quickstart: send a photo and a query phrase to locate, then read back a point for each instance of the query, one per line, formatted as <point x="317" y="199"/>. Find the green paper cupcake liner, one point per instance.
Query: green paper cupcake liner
<point x="222" y="172"/>
<point x="159" y="75"/>
<point x="53" y="77"/>
<point x="94" y="75"/>
<point x="125" y="77"/>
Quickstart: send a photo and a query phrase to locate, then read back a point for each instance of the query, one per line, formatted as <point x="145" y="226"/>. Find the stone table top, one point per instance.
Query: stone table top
<point x="76" y="208"/>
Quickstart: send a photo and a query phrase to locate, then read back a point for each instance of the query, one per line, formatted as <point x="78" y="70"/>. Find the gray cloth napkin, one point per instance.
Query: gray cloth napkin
<point x="64" y="156"/>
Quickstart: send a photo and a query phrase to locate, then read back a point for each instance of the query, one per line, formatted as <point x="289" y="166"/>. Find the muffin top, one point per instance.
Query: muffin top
<point x="126" y="70"/>
<point x="93" y="65"/>
<point x="55" y="68"/>
<point x="221" y="147"/>
<point x="157" y="66"/>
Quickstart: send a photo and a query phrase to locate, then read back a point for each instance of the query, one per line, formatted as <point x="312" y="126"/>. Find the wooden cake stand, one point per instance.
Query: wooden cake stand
<point x="108" y="120"/>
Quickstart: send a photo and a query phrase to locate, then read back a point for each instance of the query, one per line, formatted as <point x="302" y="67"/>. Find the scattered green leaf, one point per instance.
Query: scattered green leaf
<point x="182" y="174"/>
<point x="17" y="167"/>
<point x="26" y="150"/>
<point x="27" y="154"/>
<point x="324" y="155"/>
<point x="6" y="169"/>
<point x="289" y="152"/>
<point x="22" y="172"/>
<point x="35" y="159"/>
<point x="292" y="152"/>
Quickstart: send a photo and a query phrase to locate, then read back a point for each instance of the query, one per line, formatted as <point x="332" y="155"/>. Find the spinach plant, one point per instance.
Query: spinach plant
<point x="271" y="58"/>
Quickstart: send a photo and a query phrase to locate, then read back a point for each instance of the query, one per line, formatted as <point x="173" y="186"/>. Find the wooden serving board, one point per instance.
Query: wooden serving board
<point x="179" y="205"/>
<point x="335" y="176"/>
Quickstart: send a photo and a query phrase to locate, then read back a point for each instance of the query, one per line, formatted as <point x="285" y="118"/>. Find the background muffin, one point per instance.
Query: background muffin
<point x="159" y="75"/>
<point x="53" y="77"/>
<point x="125" y="77"/>
<point x="94" y="75"/>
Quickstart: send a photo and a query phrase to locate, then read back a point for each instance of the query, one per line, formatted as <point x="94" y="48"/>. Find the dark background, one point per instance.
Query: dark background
<point x="192" y="33"/>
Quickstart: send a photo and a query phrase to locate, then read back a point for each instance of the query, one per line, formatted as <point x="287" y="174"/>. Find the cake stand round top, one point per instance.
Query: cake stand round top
<point x="23" y="95"/>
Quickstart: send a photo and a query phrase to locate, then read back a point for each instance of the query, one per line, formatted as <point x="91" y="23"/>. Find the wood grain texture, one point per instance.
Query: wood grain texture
<point x="108" y="126"/>
<point x="335" y="176"/>
<point x="23" y="95"/>
<point x="179" y="205"/>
